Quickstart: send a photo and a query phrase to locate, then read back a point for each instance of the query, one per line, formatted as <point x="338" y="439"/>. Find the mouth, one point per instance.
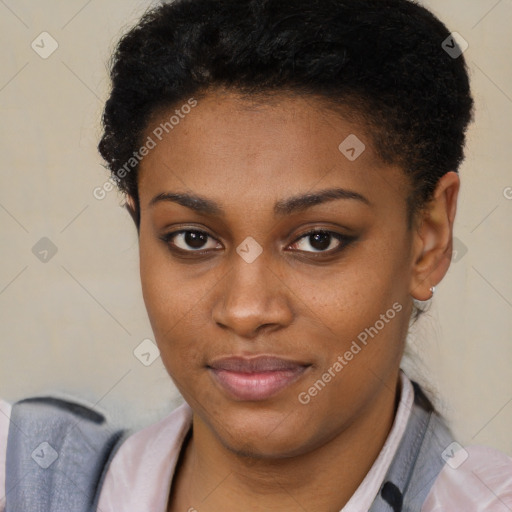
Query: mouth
<point x="255" y="378"/>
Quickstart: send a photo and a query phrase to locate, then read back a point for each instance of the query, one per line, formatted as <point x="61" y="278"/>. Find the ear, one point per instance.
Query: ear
<point x="433" y="238"/>
<point x="133" y="209"/>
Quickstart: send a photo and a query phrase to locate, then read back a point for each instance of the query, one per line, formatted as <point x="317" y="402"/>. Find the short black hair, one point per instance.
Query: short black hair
<point x="383" y="60"/>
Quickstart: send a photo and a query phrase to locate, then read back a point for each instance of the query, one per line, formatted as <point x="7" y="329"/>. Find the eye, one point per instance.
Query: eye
<point x="322" y="241"/>
<point x="188" y="240"/>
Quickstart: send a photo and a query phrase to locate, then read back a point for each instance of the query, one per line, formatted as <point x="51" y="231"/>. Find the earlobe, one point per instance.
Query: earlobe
<point x="433" y="238"/>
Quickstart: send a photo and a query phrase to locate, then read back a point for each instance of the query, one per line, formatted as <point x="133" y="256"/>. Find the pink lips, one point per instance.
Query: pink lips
<point x="256" y="378"/>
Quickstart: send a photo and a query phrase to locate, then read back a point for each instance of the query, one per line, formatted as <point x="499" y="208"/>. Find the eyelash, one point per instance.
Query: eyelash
<point x="344" y="240"/>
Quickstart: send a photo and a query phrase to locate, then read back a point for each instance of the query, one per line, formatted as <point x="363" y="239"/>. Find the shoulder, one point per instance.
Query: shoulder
<point x="142" y="468"/>
<point x="5" y="414"/>
<point x="78" y="442"/>
<point x="474" y="478"/>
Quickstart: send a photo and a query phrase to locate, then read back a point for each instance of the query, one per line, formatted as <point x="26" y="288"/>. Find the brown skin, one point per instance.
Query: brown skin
<point x="279" y="454"/>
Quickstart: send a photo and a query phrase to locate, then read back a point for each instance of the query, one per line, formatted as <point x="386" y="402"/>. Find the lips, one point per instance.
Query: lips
<point x="255" y="378"/>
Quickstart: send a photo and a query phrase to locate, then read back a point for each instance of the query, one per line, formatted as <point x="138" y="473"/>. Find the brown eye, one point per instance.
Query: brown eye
<point x="321" y="241"/>
<point x="189" y="240"/>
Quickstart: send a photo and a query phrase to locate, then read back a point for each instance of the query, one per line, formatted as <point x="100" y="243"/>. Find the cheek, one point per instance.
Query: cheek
<point x="166" y="295"/>
<point x="363" y="325"/>
<point x="361" y="310"/>
<point x="172" y="302"/>
<point x="353" y="298"/>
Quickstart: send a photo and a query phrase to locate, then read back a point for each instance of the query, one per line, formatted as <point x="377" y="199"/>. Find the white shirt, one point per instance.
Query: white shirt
<point x="141" y="471"/>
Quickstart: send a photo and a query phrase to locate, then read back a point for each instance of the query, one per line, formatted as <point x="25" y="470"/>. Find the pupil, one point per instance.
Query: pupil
<point x="320" y="241"/>
<point x="195" y="239"/>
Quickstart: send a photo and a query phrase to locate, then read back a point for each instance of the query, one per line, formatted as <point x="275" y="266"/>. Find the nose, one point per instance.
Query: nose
<point x="252" y="299"/>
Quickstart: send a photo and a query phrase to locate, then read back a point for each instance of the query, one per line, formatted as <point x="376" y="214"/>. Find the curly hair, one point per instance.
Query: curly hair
<point x="383" y="61"/>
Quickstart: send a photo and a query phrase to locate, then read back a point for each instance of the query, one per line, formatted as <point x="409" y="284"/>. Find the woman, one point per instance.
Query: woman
<point x="291" y="168"/>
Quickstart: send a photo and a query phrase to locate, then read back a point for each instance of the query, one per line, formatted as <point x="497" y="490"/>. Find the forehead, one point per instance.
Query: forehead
<point x="249" y="149"/>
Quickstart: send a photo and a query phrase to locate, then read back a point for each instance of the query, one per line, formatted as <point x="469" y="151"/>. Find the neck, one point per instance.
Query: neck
<point x="210" y="477"/>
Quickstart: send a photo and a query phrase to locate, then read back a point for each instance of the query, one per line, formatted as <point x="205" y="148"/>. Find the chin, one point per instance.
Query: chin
<point x="261" y="432"/>
<point x="264" y="448"/>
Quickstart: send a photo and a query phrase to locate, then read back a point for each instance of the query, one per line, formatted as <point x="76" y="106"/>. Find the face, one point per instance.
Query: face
<point x="280" y="309"/>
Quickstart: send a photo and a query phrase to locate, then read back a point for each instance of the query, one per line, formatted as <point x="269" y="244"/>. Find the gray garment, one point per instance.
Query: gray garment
<point x="57" y="456"/>
<point x="58" y="453"/>
<point x="417" y="462"/>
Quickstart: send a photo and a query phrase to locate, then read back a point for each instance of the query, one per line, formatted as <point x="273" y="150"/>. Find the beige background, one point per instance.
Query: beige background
<point x="69" y="326"/>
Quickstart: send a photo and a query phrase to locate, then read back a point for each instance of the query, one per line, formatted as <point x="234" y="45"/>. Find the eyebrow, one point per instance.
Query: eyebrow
<point x="194" y="202"/>
<point x="283" y="207"/>
<point x="302" y="202"/>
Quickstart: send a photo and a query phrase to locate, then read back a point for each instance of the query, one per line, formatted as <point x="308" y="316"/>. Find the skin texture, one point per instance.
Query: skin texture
<point x="290" y="302"/>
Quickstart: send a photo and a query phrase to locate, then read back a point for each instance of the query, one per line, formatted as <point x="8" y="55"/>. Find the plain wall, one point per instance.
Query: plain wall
<point x="69" y="325"/>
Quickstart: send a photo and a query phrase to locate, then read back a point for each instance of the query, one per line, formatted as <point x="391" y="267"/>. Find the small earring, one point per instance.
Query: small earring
<point x="422" y="304"/>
